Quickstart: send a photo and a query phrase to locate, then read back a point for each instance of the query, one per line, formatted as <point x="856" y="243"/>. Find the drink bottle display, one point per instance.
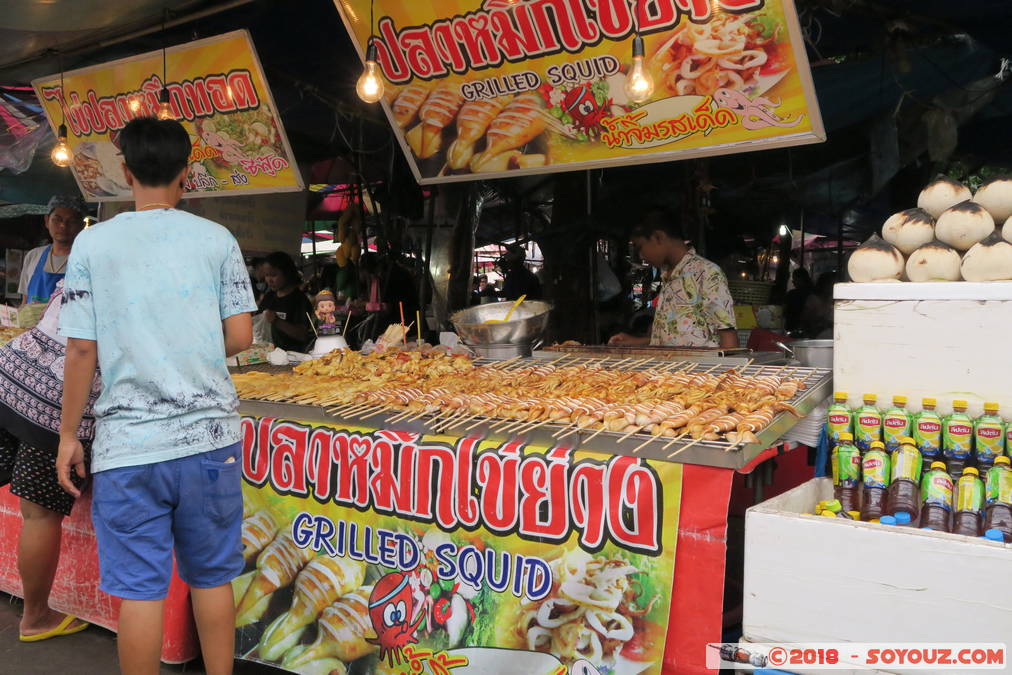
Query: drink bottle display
<point x="846" y="461"/>
<point x="867" y="423"/>
<point x="839" y="418"/>
<point x="957" y="438"/>
<point x="936" y="495"/>
<point x="904" y="484"/>
<point x="988" y="437"/>
<point x="969" y="503"/>
<point x="998" y="497"/>
<point x="927" y="431"/>
<point x="895" y="423"/>
<point x="875" y="467"/>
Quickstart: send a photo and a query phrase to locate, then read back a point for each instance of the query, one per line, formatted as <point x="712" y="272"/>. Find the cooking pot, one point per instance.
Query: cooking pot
<point x="811" y="353"/>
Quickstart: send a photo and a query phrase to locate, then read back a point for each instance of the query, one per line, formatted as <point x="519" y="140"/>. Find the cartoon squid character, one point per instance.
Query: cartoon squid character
<point x="755" y="114"/>
<point x="583" y="106"/>
<point x="390" y="607"/>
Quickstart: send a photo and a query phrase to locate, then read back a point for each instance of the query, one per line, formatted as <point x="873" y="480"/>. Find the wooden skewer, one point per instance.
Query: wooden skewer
<point x="558" y="434"/>
<point x="685" y="447"/>
<point x="595" y="434"/>
<point x="675" y="439"/>
<point x="378" y="411"/>
<point x="456" y="423"/>
<point x="644" y="444"/>
<point x="482" y="419"/>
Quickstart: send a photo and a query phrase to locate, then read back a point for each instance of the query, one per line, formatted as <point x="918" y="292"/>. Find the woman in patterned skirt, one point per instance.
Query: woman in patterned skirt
<point x="31" y="389"/>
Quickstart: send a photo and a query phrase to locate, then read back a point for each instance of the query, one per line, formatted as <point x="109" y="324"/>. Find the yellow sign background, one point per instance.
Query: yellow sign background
<point x="731" y="82"/>
<point x="218" y="92"/>
<point x="654" y="577"/>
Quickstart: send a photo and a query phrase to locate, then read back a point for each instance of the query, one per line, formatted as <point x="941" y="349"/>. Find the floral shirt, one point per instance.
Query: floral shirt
<point x="693" y="306"/>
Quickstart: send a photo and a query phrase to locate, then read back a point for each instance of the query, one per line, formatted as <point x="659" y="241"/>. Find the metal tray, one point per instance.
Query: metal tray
<point x="818" y="383"/>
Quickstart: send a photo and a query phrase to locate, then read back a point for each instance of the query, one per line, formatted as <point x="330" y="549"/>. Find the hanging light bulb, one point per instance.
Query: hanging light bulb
<point x="370" y="85"/>
<point x="639" y="85"/>
<point x="62" y="154"/>
<point x="164" y="108"/>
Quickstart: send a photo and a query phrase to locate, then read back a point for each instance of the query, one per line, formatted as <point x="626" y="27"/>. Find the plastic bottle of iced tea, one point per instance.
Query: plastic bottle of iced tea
<point x="895" y="423"/>
<point x="867" y="423"/>
<point x="988" y="437"/>
<point x="875" y="480"/>
<point x="957" y="438"/>
<point x="904" y="485"/>
<point x="969" y="503"/>
<point x="839" y="418"/>
<point x="927" y="432"/>
<point x="998" y="497"/>
<point x="936" y="494"/>
<point x="846" y="461"/>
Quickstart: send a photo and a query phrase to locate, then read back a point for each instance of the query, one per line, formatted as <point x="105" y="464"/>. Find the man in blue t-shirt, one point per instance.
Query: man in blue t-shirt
<point x="158" y="298"/>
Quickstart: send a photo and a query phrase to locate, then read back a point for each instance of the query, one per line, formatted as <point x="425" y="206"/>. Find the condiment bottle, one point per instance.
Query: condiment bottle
<point x="904" y="485"/>
<point x="846" y="461"/>
<point x="927" y="432"/>
<point x="998" y="497"/>
<point x="936" y="494"/>
<point x="875" y="479"/>
<point x="969" y="503"/>
<point x="988" y="437"/>
<point x="867" y="423"/>
<point x="839" y="418"/>
<point x="957" y="438"/>
<point x="895" y="423"/>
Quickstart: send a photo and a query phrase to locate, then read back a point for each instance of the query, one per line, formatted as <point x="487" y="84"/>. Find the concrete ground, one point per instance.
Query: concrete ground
<point x="90" y="652"/>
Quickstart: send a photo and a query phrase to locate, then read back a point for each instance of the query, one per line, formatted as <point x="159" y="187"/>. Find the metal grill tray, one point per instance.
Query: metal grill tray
<point x="818" y="386"/>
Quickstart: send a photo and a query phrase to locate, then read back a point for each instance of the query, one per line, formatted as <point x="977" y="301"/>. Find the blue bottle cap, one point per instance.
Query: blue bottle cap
<point x="994" y="535"/>
<point x="902" y="518"/>
<point x="887" y="520"/>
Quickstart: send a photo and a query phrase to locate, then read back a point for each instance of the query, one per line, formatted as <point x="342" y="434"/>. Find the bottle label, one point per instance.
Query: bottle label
<point x="999" y="486"/>
<point x="937" y="489"/>
<point x="957" y="439"/>
<point x="838" y="422"/>
<point x="990" y="439"/>
<point x="894" y="427"/>
<point x="846" y="466"/>
<point x="867" y="429"/>
<point x="970" y="496"/>
<point x="906" y="464"/>
<point x="928" y="434"/>
<point x="875" y="469"/>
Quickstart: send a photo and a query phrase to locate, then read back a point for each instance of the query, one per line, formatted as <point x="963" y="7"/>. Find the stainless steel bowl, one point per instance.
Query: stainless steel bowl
<point x="525" y="326"/>
<point x="501" y="352"/>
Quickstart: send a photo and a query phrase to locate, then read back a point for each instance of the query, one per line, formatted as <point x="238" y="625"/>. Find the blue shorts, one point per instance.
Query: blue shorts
<point x="141" y="512"/>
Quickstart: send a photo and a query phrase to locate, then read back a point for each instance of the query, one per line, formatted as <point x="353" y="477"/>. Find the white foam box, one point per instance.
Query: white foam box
<point x="816" y="579"/>
<point x="945" y="340"/>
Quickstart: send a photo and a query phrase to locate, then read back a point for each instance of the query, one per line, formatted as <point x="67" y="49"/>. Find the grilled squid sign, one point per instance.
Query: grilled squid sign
<point x="503" y="30"/>
<point x="543" y="497"/>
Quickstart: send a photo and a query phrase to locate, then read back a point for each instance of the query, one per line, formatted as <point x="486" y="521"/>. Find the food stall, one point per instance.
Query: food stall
<point x="563" y="507"/>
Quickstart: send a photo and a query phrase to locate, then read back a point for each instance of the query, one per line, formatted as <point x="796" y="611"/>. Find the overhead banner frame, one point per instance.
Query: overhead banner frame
<point x="496" y="88"/>
<point x="217" y="91"/>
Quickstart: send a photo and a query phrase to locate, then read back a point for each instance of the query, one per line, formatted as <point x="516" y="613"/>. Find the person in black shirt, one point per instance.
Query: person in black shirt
<point x="285" y="307"/>
<point x="517" y="279"/>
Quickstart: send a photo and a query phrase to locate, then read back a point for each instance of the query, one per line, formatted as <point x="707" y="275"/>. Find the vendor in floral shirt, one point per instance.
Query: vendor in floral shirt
<point x="694" y="308"/>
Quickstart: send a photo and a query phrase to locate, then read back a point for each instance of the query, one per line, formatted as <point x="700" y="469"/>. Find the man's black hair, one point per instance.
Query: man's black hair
<point x="154" y="150"/>
<point x="658" y="220"/>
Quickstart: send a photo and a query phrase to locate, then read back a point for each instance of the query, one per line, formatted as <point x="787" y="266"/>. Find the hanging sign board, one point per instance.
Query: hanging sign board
<point x="217" y="91"/>
<point x="492" y="88"/>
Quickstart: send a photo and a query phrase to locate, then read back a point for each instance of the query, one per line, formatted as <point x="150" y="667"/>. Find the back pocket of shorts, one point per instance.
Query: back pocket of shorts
<point x="121" y="498"/>
<point x="222" y="490"/>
